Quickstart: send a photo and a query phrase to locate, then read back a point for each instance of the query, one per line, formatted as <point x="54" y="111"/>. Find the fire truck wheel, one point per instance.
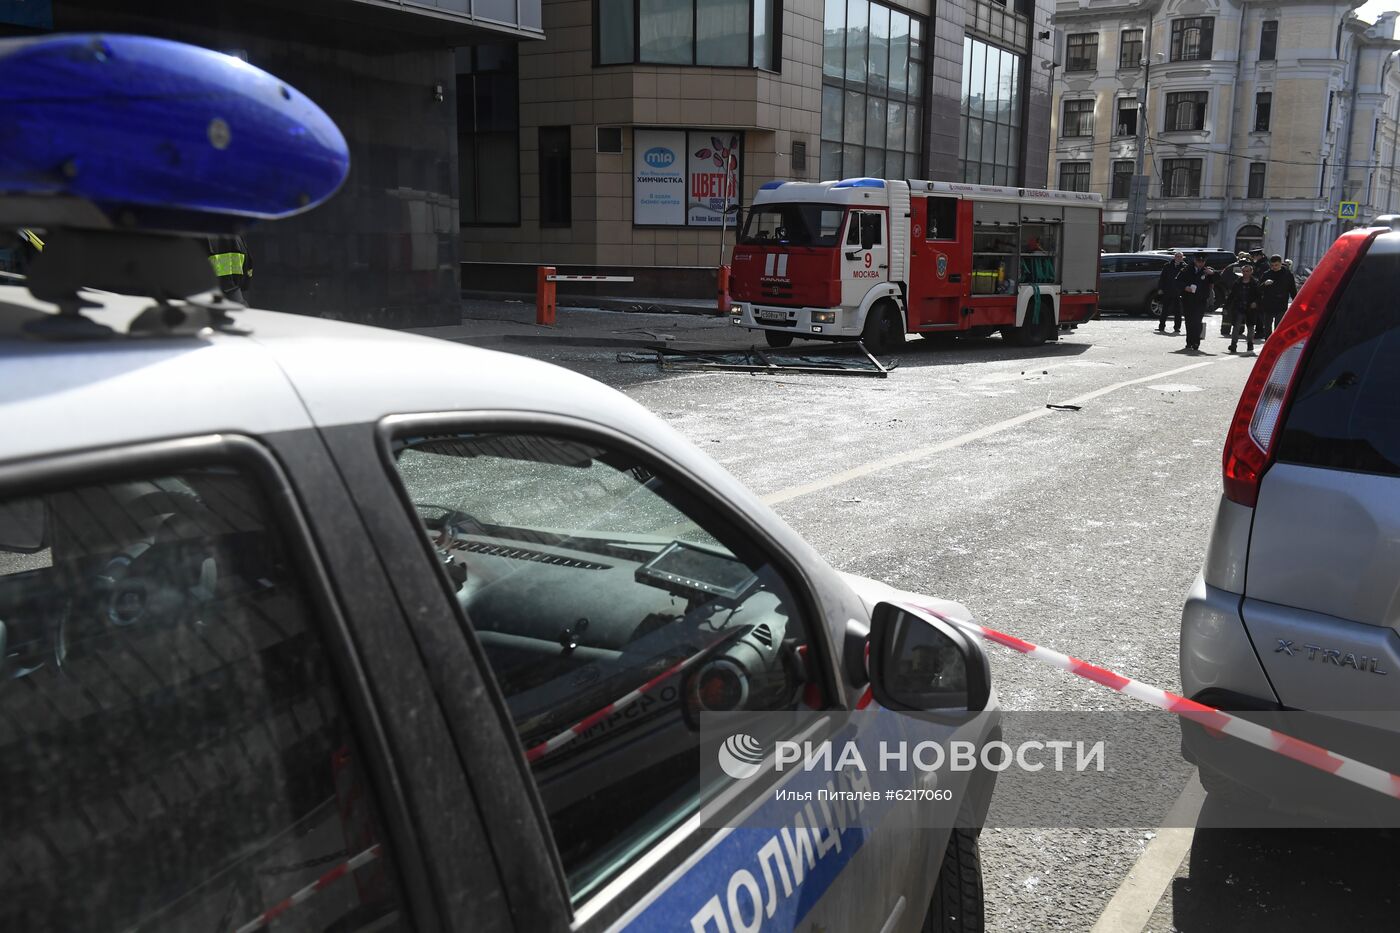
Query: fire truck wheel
<point x="883" y="332"/>
<point x="777" y="338"/>
<point x="1033" y="334"/>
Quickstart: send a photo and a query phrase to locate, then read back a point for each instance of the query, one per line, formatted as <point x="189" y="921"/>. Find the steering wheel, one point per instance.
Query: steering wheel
<point x="169" y="577"/>
<point x="445" y="523"/>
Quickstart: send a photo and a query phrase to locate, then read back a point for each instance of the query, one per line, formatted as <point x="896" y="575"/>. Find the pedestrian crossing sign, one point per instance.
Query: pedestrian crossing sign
<point x="1347" y="210"/>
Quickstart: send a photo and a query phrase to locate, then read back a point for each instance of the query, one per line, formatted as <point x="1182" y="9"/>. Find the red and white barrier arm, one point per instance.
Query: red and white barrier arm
<point x="588" y="278"/>
<point x="315" y="887"/>
<point x="621" y="703"/>
<point x="1211" y="718"/>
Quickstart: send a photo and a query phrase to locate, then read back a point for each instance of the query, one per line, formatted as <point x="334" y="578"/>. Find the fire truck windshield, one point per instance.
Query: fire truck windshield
<point x="793" y="225"/>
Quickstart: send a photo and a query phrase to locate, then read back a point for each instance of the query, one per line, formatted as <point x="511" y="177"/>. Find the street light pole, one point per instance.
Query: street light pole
<point x="1137" y="191"/>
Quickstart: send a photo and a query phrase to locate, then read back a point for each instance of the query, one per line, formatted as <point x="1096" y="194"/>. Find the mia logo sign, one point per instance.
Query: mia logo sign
<point x="658" y="177"/>
<point x="659" y="157"/>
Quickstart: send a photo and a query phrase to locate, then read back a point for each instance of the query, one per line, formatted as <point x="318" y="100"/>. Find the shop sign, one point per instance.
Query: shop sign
<point x="658" y="177"/>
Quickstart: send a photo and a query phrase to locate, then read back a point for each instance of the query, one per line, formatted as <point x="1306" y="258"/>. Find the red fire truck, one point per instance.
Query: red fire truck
<point x="876" y="260"/>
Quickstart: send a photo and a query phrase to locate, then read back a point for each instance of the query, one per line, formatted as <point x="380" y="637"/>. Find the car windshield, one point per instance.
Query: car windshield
<point x="793" y="225"/>
<point x="512" y="491"/>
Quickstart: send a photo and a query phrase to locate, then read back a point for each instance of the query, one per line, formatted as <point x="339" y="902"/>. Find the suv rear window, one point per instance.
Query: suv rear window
<point x="1346" y="409"/>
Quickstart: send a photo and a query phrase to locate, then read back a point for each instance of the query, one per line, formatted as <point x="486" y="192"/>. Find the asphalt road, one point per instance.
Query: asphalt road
<point x="1078" y="529"/>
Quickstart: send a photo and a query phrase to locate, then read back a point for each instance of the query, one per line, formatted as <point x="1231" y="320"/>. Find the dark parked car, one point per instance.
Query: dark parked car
<point x="1128" y="281"/>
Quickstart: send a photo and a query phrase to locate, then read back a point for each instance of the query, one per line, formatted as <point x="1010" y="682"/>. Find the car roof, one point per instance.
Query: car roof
<point x="1194" y="250"/>
<point x="292" y="372"/>
<point x="288" y="372"/>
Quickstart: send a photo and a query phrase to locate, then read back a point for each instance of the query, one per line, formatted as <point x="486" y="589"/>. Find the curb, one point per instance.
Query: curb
<point x="636" y="305"/>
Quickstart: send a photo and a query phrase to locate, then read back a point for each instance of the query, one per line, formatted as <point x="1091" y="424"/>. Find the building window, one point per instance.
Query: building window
<point x="1181" y="236"/>
<point x="992" y="100"/>
<point x="1250" y="238"/>
<point x="556" y="177"/>
<point x="872" y="91"/>
<point x="488" y="135"/>
<point x="1191" y="38"/>
<point x="1181" y="178"/>
<point x="1074" y="176"/>
<point x="1126" y="124"/>
<point x="1121" y="180"/>
<point x="1268" y="40"/>
<point x="1113" y="237"/>
<point x="1256" y="180"/>
<point x="616" y="40"/>
<point x="1263" y="103"/>
<point x="1082" y="52"/>
<point x="1078" y="118"/>
<point x="718" y="33"/>
<point x="1130" y="48"/>
<point x="1186" y="110"/>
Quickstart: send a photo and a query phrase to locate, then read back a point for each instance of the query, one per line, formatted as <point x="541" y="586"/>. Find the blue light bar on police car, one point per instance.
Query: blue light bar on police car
<point x="146" y="127"/>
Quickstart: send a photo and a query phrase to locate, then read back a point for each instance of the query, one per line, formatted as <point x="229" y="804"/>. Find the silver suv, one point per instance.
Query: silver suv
<point x="1298" y="604"/>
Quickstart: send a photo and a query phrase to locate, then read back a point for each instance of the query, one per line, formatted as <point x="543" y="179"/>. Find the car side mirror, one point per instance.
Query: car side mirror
<point x="919" y="663"/>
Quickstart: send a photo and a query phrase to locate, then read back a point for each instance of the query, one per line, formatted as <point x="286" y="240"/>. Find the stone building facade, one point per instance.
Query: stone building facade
<point x="1262" y="118"/>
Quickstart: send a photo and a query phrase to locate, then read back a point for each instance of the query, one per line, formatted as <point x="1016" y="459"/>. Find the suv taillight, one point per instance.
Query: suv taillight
<point x="1250" y="445"/>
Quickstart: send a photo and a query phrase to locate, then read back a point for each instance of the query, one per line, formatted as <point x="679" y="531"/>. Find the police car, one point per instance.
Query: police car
<point x="314" y="626"/>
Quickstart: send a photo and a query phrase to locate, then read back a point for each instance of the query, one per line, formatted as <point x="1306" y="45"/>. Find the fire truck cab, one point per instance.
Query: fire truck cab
<point x="876" y="260"/>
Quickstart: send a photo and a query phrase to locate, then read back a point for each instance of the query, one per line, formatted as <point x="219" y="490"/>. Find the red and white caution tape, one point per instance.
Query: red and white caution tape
<point x="1211" y="718"/>
<point x="315" y="887"/>
<point x="592" y="719"/>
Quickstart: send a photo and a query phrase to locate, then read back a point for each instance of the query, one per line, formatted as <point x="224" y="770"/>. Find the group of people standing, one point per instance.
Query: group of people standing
<point x="1254" y="303"/>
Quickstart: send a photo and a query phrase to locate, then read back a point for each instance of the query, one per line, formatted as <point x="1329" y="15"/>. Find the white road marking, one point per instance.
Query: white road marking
<point x="1132" y="905"/>
<point x="923" y="453"/>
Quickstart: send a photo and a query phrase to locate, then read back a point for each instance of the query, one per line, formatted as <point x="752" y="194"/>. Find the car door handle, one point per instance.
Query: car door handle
<point x="955" y="277"/>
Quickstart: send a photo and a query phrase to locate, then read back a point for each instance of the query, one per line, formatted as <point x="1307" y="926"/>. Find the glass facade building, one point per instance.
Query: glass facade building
<point x="872" y="91"/>
<point x="992" y="103"/>
<point x="713" y="33"/>
<point x="643" y="127"/>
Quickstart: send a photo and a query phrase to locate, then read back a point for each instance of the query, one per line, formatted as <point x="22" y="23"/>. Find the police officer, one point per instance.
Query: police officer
<point x="1198" y="283"/>
<point x="1242" y="306"/>
<point x="1277" y="286"/>
<point x="229" y="256"/>
<point x="1169" y="291"/>
<point x="1261" y="265"/>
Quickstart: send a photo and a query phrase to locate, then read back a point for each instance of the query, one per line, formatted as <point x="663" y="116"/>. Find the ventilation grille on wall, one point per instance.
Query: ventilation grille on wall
<point x="799" y="157"/>
<point x="609" y="139"/>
